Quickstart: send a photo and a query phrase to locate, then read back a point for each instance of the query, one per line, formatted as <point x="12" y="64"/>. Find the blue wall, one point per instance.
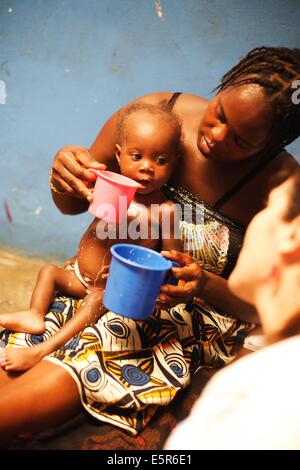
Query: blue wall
<point x="68" y="64"/>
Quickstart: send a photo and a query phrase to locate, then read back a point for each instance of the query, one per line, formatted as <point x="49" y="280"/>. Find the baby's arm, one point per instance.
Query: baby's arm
<point x="170" y="241"/>
<point x="89" y="312"/>
<point x="170" y="229"/>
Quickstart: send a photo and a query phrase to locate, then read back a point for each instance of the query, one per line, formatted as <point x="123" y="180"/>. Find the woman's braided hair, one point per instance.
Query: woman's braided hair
<point x="275" y="69"/>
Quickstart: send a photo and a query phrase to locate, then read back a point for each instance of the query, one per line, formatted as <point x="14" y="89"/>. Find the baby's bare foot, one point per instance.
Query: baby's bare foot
<point x="24" y="322"/>
<point x="19" y="358"/>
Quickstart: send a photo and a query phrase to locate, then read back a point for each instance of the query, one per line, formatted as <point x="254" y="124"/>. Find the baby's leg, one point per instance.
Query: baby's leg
<point x="90" y="310"/>
<point x="50" y="279"/>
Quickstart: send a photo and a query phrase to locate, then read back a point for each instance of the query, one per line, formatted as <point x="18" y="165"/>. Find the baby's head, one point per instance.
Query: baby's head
<point x="148" y="139"/>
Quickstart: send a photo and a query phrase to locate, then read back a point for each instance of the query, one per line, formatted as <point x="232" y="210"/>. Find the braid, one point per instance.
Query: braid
<point x="275" y="69"/>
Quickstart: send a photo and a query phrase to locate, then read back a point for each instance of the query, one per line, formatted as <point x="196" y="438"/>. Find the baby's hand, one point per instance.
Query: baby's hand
<point x="99" y="282"/>
<point x="105" y="271"/>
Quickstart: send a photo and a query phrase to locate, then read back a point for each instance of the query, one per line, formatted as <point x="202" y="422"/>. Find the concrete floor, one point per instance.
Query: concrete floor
<point x="17" y="279"/>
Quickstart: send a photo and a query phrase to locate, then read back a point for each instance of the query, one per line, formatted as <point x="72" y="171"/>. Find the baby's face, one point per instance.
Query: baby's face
<point x="148" y="153"/>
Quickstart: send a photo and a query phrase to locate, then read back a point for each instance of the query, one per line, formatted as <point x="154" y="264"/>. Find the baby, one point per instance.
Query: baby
<point x="148" y="139"/>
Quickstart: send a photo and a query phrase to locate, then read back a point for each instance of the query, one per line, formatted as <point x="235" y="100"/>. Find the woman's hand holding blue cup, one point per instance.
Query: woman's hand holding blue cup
<point x="190" y="272"/>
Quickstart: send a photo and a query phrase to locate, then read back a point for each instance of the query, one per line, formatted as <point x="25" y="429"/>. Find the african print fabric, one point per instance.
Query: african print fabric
<point x="125" y="369"/>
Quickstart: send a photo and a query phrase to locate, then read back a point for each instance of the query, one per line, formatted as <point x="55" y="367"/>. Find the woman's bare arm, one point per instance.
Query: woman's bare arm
<point x="215" y="291"/>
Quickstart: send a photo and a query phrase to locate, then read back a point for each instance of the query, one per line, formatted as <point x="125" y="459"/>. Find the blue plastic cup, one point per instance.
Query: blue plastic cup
<point x="135" y="277"/>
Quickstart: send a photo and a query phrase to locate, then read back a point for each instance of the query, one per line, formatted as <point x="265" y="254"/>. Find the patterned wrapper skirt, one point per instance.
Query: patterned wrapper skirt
<point x="125" y="369"/>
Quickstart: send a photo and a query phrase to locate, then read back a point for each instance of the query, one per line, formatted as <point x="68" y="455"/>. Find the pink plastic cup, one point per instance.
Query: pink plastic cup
<point x="112" y="195"/>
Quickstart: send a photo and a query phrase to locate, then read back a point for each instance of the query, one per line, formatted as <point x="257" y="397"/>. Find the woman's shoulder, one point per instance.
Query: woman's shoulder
<point x="185" y="101"/>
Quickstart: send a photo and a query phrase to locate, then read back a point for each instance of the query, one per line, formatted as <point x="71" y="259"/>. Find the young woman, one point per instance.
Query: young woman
<point x="231" y="146"/>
